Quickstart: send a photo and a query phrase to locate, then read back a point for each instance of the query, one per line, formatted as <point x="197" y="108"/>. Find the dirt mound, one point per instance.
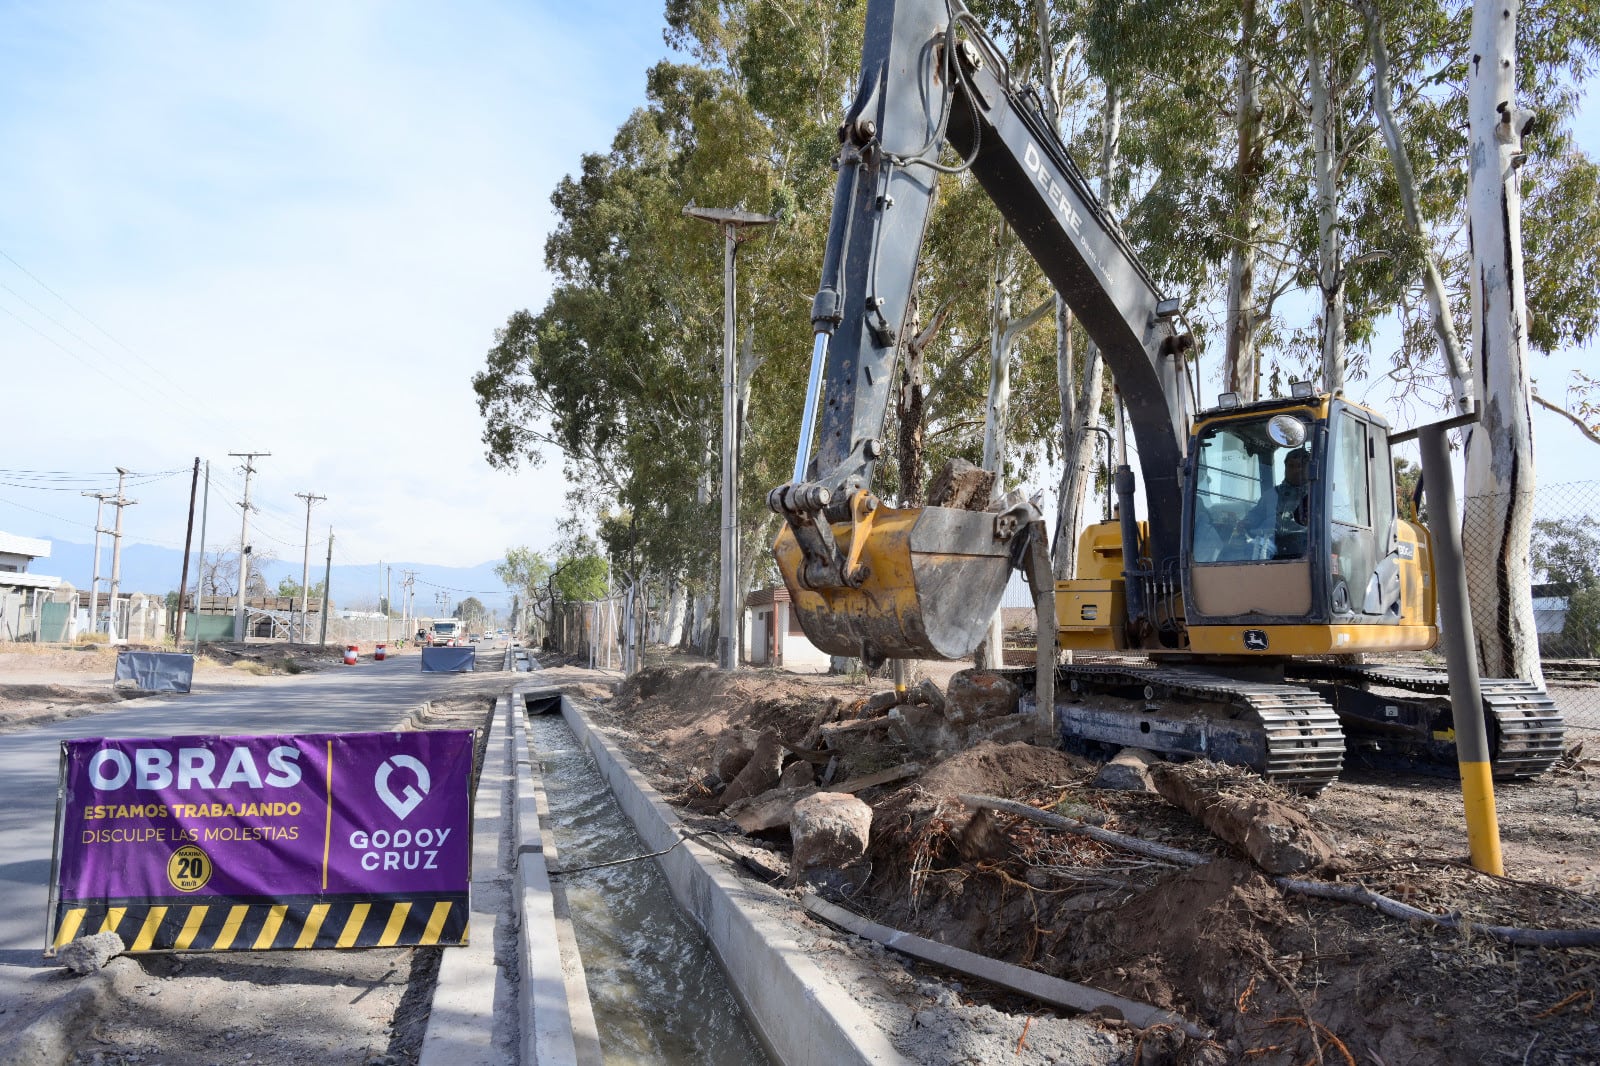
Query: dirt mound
<point x="1218" y="942"/>
<point x="686" y="710"/>
<point x="1197" y="938"/>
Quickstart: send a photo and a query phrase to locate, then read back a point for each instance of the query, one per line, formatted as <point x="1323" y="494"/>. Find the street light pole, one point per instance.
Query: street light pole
<point x="732" y="221"/>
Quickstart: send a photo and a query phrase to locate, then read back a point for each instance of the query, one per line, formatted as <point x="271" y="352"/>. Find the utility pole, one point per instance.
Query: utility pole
<point x="387" y="614"/>
<point x="200" y="578"/>
<point x="732" y="221"/>
<point x="406" y="605"/>
<point x="244" y="540"/>
<point x="305" y="565"/>
<point x="327" y="588"/>
<point x="188" y="537"/>
<point x="116" y="554"/>
<point x="94" y="582"/>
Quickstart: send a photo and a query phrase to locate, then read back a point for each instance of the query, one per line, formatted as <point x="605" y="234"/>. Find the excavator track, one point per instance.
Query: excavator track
<point x="1287" y="733"/>
<point x="1527" y="730"/>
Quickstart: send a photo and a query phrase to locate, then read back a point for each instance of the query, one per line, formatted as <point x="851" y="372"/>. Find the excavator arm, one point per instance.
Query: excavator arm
<point x="930" y="78"/>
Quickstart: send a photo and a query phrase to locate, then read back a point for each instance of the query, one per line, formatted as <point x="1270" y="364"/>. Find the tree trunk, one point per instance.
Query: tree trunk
<point x="999" y="405"/>
<point x="1330" y="238"/>
<point x="1079" y="415"/>
<point x="1243" y="376"/>
<point x="1498" y="507"/>
<point x="1438" y="302"/>
<point x="912" y="443"/>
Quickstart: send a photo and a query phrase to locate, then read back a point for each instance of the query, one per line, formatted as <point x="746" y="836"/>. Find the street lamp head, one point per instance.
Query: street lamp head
<point x="728" y="216"/>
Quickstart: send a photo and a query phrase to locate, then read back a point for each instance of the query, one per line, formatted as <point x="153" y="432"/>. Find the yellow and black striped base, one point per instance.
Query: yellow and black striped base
<point x="223" y="924"/>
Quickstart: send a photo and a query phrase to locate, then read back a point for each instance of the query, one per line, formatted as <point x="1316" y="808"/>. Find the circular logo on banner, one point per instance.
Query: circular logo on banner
<point x="189" y="868"/>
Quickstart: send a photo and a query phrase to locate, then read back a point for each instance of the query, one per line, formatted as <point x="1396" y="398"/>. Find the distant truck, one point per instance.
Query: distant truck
<point x="445" y="635"/>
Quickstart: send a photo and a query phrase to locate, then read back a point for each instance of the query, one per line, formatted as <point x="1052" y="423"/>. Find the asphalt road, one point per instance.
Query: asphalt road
<point x="368" y="697"/>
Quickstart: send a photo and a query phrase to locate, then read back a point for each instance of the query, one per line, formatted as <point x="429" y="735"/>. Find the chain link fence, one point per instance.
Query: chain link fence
<point x="1564" y="571"/>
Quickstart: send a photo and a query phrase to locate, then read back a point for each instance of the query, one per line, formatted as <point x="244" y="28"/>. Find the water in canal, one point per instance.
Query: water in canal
<point x="659" y="995"/>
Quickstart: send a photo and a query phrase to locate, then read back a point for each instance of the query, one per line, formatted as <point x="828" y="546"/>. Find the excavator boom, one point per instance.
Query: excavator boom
<point x="931" y="79"/>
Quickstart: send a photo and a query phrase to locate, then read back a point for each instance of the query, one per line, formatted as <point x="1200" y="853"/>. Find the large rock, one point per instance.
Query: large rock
<point x="830" y="829"/>
<point x="761" y="772"/>
<point x="974" y="695"/>
<point x="90" y="953"/>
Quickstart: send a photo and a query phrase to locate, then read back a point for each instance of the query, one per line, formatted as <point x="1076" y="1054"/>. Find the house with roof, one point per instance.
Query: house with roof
<point x="27" y="596"/>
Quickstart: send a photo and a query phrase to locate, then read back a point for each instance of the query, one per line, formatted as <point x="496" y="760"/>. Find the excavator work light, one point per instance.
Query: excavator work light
<point x="1228" y="400"/>
<point x="1302" y="389"/>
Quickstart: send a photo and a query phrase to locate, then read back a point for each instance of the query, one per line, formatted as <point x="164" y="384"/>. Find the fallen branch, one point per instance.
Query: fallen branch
<point x="1345" y="893"/>
<point x="1164" y="852"/>
<point x="1533" y="938"/>
<point x="1043" y="987"/>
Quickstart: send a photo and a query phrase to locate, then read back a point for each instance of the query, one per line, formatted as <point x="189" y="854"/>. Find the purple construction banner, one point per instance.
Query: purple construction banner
<point x="328" y="825"/>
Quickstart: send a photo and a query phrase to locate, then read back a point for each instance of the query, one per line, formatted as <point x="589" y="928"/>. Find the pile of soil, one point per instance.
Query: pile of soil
<point x="1278" y="978"/>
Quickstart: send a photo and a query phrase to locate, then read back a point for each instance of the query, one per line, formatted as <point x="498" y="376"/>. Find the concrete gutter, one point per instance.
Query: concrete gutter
<point x="795" y="1008"/>
<point x="557" y="1017"/>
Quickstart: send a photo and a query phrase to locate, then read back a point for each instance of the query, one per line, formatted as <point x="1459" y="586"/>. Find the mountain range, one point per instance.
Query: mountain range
<point x="146" y="568"/>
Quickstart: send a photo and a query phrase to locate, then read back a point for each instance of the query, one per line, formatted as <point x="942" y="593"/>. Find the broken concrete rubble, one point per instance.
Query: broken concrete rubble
<point x="90" y="953"/>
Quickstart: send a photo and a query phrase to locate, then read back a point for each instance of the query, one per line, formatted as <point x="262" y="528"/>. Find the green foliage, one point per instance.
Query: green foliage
<point x="585" y="577"/>
<point x="289" y="587"/>
<point x="1580" y="633"/>
<point x="619" y="371"/>
<point x="1566" y="551"/>
<point x="472" y="612"/>
<point x="523" y="571"/>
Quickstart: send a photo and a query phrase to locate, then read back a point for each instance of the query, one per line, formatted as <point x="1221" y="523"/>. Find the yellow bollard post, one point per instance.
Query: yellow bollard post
<point x="1455" y="625"/>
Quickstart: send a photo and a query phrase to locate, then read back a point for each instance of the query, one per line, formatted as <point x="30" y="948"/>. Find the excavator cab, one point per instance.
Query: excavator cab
<point x="1292" y="538"/>
<point x="1291" y="545"/>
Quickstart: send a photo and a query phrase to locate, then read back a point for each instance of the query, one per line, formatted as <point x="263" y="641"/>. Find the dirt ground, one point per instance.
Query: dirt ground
<point x="1279" y="978"/>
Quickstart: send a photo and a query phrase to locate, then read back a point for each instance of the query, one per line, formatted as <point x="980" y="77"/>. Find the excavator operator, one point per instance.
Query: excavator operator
<point x="1278" y="520"/>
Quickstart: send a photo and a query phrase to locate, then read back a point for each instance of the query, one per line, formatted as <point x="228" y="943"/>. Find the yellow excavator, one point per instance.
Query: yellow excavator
<point x="1232" y="621"/>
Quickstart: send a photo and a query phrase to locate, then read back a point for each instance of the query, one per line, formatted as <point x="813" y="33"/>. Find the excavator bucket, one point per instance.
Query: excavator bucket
<point x="930" y="580"/>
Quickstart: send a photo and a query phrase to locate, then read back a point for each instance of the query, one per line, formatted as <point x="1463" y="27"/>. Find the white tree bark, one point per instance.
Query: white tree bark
<point x="1241" y="373"/>
<point x="1498" y="501"/>
<point x="1438" y="303"/>
<point x="1330" y="236"/>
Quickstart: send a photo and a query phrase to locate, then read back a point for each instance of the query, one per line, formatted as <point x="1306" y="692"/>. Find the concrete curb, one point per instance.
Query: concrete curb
<point x="797" y="1011"/>
<point x="464" y="1026"/>
<point x="556" y="1015"/>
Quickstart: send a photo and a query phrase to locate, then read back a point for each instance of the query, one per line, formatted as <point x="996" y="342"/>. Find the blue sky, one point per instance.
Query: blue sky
<point x="293" y="227"/>
<point x="287" y="227"/>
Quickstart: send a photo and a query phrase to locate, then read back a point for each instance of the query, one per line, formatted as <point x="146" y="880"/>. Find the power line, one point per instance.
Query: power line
<point x="63" y="347"/>
<point x="103" y="331"/>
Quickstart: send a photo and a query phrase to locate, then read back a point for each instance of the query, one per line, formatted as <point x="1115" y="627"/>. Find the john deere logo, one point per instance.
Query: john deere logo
<point x="1255" y="640"/>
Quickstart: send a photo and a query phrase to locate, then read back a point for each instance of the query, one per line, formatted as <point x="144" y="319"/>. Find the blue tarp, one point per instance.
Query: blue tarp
<point x="155" y="671"/>
<point x="449" y="660"/>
